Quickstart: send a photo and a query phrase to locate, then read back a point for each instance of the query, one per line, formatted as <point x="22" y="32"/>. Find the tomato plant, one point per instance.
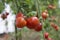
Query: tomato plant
<point x="41" y="16"/>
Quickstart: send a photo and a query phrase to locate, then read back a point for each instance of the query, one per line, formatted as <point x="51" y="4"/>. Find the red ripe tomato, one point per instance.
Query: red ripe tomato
<point x="32" y="22"/>
<point x="49" y="39"/>
<point x="55" y="26"/>
<point x="30" y="26"/>
<point x="52" y="24"/>
<point x="20" y="22"/>
<point x="38" y="27"/>
<point x="19" y="15"/>
<point x="46" y="34"/>
<point x="44" y="15"/>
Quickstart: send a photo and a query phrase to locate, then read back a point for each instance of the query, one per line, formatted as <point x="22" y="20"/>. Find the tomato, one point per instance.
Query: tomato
<point x="19" y="15"/>
<point x="49" y="39"/>
<point x="52" y="24"/>
<point x="32" y="22"/>
<point x="44" y="15"/>
<point x="51" y="6"/>
<point x="55" y="26"/>
<point x="30" y="26"/>
<point x="38" y="27"/>
<point x="46" y="34"/>
<point x="3" y="16"/>
<point x="20" y="22"/>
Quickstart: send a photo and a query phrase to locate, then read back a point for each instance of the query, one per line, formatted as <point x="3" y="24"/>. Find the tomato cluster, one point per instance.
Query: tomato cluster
<point x="31" y="22"/>
<point x="34" y="23"/>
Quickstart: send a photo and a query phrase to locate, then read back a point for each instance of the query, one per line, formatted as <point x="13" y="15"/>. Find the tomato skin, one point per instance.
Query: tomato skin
<point x="20" y="14"/>
<point x="51" y="6"/>
<point x="52" y="24"/>
<point x="49" y="39"/>
<point x="44" y="15"/>
<point x="32" y="22"/>
<point x="20" y="22"/>
<point x="30" y="27"/>
<point x="55" y="26"/>
<point x="46" y="34"/>
<point x="38" y="27"/>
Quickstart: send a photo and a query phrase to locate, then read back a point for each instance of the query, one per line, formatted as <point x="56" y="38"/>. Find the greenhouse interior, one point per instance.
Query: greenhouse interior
<point x="29" y="19"/>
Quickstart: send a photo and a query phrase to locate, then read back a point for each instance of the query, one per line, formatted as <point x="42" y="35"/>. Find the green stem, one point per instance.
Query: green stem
<point x="37" y="7"/>
<point x="16" y="32"/>
<point x="18" y="9"/>
<point x="20" y="35"/>
<point x="15" y="4"/>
